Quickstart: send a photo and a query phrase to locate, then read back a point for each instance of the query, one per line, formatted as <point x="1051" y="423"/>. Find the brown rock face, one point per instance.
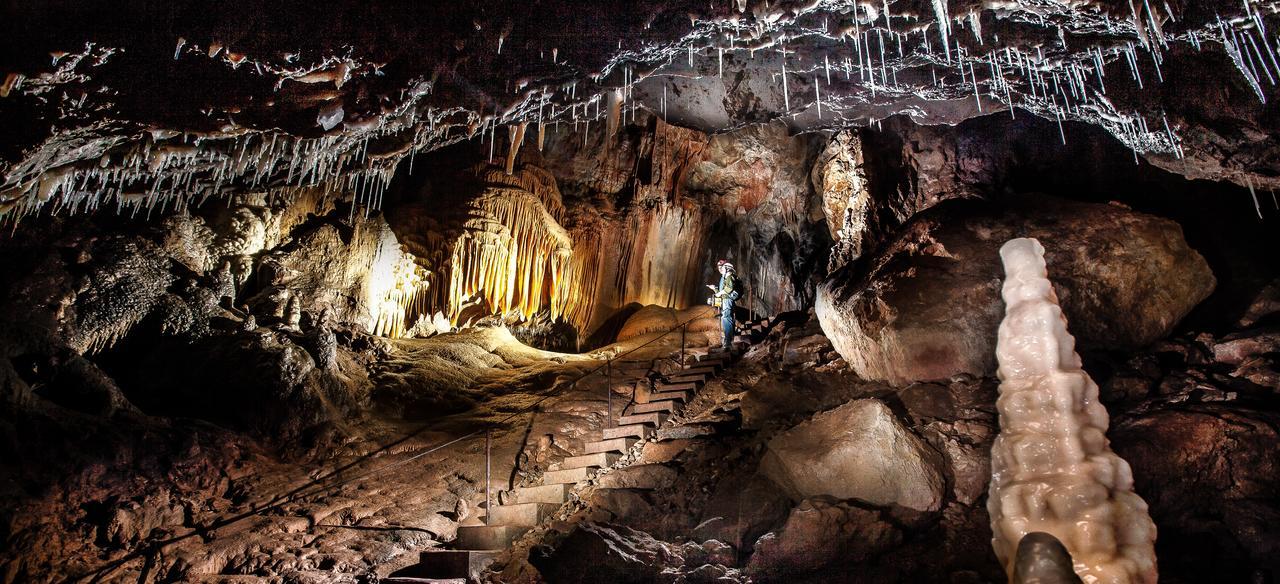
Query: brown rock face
<point x="929" y="306"/>
<point x="822" y="533"/>
<point x="606" y="553"/>
<point x="1208" y="472"/>
<point x="856" y="451"/>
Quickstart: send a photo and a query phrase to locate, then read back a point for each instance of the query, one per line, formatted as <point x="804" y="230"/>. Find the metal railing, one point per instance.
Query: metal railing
<point x="313" y="488"/>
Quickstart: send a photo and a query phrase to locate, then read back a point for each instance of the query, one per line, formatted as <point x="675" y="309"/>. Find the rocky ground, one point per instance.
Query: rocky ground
<point x="151" y="499"/>
<point x="790" y="468"/>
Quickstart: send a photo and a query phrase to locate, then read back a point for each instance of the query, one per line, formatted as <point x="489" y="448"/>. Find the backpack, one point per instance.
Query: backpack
<point x="738" y="288"/>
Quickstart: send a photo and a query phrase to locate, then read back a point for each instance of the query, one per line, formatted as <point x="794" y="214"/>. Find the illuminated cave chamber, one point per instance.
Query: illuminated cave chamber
<point x="577" y="234"/>
<point x="303" y="292"/>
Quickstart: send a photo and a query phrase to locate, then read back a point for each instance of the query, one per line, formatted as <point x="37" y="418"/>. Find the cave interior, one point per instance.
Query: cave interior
<point x="360" y="292"/>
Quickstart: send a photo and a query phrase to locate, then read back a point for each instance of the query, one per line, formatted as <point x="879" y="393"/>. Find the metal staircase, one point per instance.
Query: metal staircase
<point x="477" y="546"/>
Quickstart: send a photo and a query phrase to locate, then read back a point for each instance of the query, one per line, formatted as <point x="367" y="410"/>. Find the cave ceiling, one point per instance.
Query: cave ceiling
<point x="135" y="105"/>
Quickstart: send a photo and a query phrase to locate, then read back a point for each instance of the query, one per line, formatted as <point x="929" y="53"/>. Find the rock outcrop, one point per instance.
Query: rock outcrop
<point x="819" y="533"/>
<point x="856" y="451"/>
<point x="929" y="306"/>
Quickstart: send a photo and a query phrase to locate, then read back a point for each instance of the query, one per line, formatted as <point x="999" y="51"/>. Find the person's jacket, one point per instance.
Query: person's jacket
<point x="727" y="289"/>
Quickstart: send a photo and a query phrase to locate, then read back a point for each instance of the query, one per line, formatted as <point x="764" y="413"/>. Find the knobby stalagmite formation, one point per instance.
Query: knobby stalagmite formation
<point x="1052" y="469"/>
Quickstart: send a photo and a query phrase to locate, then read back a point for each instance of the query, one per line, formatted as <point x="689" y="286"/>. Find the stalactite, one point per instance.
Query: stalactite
<point x="170" y="170"/>
<point x="505" y="248"/>
<point x="515" y="134"/>
<point x="511" y="252"/>
<point x="614" y="120"/>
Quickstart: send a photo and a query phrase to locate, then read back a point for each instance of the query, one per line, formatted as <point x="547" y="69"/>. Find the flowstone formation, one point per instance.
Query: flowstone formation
<point x="1052" y="469"/>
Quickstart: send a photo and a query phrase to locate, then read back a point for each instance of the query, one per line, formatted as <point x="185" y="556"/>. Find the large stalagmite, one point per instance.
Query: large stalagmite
<point x="1052" y="468"/>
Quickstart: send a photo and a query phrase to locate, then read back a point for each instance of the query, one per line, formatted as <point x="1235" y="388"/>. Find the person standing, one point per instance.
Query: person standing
<point x="725" y="295"/>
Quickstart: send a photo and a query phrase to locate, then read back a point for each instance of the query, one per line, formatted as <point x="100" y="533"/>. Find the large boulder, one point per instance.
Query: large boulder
<point x="929" y="305"/>
<point x="1209" y="473"/>
<point x="857" y="451"/>
<point x="595" y="552"/>
<point x="821" y="533"/>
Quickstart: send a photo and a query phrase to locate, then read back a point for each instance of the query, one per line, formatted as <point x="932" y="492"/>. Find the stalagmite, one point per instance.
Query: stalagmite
<point x="1052" y="469"/>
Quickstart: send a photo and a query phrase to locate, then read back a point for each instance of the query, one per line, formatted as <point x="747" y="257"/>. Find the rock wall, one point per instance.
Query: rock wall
<point x="199" y="313"/>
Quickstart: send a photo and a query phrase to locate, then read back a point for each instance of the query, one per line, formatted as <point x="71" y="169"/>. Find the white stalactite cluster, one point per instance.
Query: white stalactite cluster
<point x="1052" y="469"/>
<point x="81" y="170"/>
<point x="890" y="46"/>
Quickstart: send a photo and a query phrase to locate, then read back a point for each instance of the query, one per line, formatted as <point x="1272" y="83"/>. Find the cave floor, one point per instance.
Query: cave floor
<point x="378" y="489"/>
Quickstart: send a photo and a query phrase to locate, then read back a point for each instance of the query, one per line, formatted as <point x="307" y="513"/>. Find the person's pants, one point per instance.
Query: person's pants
<point x="726" y="321"/>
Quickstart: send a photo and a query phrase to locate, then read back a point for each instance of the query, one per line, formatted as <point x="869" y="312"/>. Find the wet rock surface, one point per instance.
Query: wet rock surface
<point x="856" y="451"/>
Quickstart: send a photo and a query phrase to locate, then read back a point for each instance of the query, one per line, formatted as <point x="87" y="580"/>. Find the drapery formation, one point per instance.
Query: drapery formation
<point x="504" y="250"/>
<point x="512" y="253"/>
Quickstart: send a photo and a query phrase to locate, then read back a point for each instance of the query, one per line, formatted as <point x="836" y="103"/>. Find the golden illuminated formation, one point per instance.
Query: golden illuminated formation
<point x="394" y="288"/>
<point x="505" y="249"/>
<point x="512" y="252"/>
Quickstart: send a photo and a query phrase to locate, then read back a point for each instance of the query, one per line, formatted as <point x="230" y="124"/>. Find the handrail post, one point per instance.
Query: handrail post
<point x="608" y="391"/>
<point x="488" y="470"/>
<point x="683" y="328"/>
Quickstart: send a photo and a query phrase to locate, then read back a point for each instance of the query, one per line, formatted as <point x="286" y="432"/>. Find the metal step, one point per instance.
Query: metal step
<point x="682" y="378"/>
<point x="665" y="405"/>
<point x="521" y="514"/>
<point x="653" y="419"/>
<point x="640" y="431"/>
<point x="707" y="370"/>
<point x="613" y="445"/>
<point x="466" y="564"/>
<point x="677" y="396"/>
<point x="595" y="460"/>
<point x="488" y="537"/>
<point x="669" y="387"/>
<point x="555" y="493"/>
<point x="567" y="476"/>
<point x="412" y="580"/>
